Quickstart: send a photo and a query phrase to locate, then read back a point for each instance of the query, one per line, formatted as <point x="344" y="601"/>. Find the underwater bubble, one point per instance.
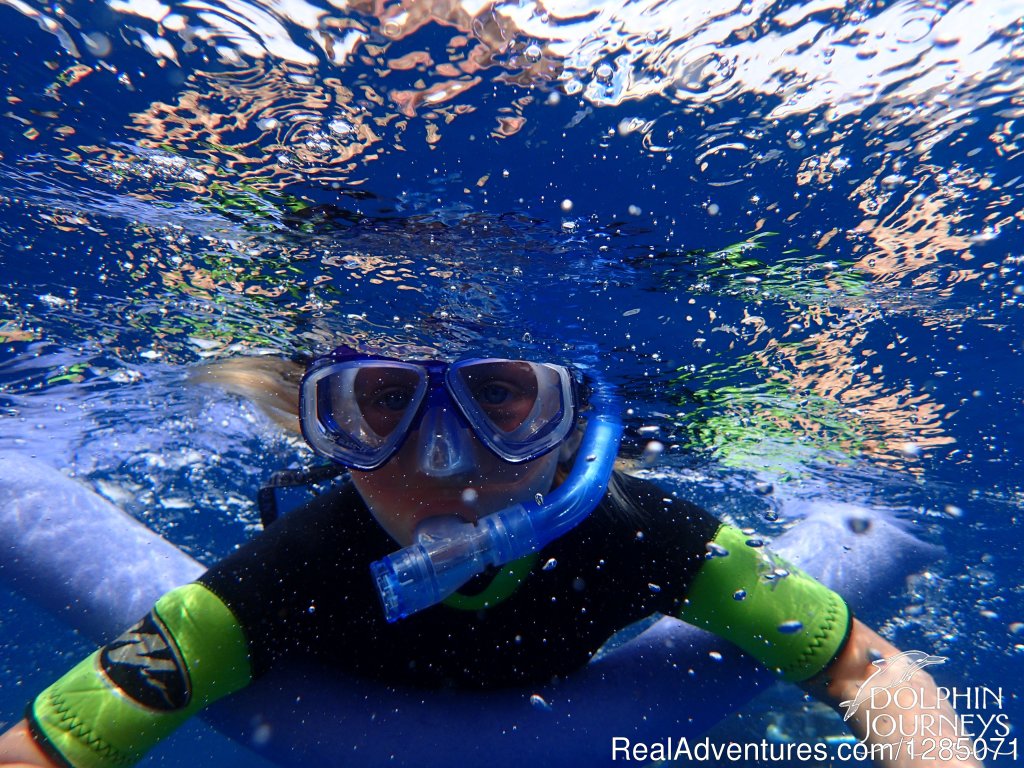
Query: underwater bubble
<point x="755" y="542"/>
<point x="858" y="524"/>
<point x="469" y="496"/>
<point x="550" y="565"/>
<point x="604" y="72"/>
<point x="715" y="655"/>
<point x="739" y="594"/>
<point x="764" y="488"/>
<point x="1017" y="628"/>
<point x="790" y="627"/>
<point x="267" y="123"/>
<point x="261" y="734"/>
<point x="52" y="301"/>
<point x="537" y="702"/>
<point x="716" y="550"/>
<point x="340" y="127"/>
<point x="654" y="588"/>
<point x="629" y="125"/>
<point x="713" y="209"/>
<point x="532" y="52"/>
<point x="653" y="450"/>
<point x="914" y="29"/>
<point x="649" y="430"/>
<point x="539" y="498"/>
<point x="910" y="450"/>
<point x="98" y="44"/>
<point x="567" y="205"/>
<point x="634" y="210"/>
<point x="771" y="515"/>
<point x="953" y="511"/>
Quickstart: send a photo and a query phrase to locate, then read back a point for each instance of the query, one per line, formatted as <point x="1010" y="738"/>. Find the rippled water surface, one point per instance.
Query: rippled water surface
<point x="791" y="232"/>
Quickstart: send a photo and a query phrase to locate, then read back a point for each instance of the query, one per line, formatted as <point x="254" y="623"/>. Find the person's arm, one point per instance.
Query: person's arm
<point x="804" y="631"/>
<point x="926" y="716"/>
<point x="226" y="629"/>
<point x="111" y="708"/>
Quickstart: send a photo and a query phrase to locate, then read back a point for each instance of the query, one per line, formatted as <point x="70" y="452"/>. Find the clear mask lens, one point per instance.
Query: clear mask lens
<point x="520" y="409"/>
<point x="358" y="412"/>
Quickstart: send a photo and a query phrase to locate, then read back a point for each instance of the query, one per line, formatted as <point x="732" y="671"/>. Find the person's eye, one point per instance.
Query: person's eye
<point x="494" y="393"/>
<point x="393" y="399"/>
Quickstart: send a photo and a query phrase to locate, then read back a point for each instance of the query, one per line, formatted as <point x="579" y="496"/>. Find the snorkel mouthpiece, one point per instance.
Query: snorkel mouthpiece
<point x="448" y="551"/>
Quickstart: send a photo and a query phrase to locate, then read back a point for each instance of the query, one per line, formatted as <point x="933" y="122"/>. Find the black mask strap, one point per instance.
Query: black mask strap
<point x="266" y="499"/>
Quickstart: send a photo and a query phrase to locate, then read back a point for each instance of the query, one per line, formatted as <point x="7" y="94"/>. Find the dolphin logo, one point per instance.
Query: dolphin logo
<point x="891" y="672"/>
<point x="147" y="667"/>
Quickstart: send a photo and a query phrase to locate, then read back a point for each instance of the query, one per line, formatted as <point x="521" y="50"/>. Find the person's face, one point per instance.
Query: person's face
<point x="401" y="495"/>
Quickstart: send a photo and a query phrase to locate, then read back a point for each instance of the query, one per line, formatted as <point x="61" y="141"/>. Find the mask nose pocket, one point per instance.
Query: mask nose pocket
<point x="446" y="447"/>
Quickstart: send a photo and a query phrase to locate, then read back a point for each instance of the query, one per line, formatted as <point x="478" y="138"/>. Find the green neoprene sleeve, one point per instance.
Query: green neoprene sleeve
<point x="118" y="703"/>
<point x="773" y="611"/>
<point x="501" y="587"/>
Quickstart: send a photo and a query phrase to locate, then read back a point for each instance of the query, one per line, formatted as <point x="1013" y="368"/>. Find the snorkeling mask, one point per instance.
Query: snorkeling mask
<point x="359" y="409"/>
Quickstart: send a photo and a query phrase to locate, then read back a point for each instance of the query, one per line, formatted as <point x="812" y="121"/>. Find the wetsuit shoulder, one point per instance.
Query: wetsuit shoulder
<point x="291" y="582"/>
<point x="654" y="540"/>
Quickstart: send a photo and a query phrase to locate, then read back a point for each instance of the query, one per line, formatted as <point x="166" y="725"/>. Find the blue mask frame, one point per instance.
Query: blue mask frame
<point x="335" y="427"/>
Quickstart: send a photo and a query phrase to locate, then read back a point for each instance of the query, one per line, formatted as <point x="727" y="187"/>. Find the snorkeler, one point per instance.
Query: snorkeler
<point x="473" y="467"/>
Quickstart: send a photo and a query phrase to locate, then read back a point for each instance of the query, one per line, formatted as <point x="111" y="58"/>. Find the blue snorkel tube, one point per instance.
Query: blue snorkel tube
<point x="448" y="551"/>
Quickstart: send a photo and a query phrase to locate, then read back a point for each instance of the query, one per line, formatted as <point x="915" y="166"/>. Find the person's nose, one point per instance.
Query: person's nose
<point x="446" y="445"/>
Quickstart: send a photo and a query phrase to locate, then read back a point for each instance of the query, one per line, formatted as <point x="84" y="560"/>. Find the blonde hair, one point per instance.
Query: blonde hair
<point x="269" y="383"/>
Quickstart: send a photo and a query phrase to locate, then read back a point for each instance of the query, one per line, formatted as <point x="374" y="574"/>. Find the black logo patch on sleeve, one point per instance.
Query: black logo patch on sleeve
<point x="146" y="665"/>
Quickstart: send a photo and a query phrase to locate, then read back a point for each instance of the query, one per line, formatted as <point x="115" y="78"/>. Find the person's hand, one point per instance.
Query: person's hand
<point x="19" y="750"/>
<point x="841" y="683"/>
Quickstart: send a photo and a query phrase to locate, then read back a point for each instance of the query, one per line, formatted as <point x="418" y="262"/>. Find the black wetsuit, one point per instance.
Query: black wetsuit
<point x="304" y="587"/>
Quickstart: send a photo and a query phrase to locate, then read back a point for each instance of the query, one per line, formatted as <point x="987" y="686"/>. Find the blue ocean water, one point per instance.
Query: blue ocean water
<point x="791" y="232"/>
